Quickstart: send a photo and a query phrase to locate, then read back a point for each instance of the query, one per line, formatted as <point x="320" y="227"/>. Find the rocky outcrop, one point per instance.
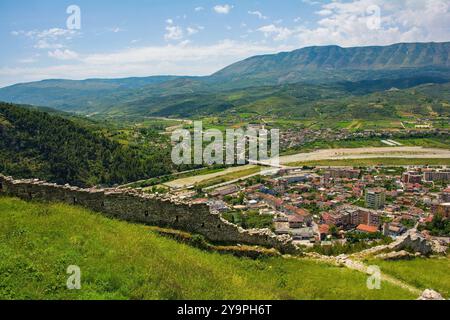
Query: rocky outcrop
<point x="429" y="294"/>
<point x="131" y="205"/>
<point x="396" y="255"/>
<point x="412" y="241"/>
<point x="439" y="247"/>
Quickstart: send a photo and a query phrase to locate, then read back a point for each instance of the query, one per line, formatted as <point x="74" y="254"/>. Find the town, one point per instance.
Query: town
<point x="337" y="206"/>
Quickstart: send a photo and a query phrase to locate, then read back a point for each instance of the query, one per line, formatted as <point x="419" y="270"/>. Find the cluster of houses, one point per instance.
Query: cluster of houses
<point x="297" y="137"/>
<point x="324" y="204"/>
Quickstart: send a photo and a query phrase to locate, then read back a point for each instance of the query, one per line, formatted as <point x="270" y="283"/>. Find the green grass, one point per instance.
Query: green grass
<point x="229" y="177"/>
<point x="432" y="142"/>
<point x="421" y="273"/>
<point x="373" y="162"/>
<point x="119" y="260"/>
<point x="148" y="183"/>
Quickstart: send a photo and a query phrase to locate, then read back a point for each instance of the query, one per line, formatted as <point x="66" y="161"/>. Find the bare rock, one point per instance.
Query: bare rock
<point x="429" y="294"/>
<point x="414" y="241"/>
<point x="438" y="247"/>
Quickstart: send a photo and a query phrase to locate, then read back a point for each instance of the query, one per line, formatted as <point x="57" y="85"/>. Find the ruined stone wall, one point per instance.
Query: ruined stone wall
<point x="129" y="205"/>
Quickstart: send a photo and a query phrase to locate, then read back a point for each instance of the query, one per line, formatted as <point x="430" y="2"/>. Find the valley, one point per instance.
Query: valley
<point x="363" y="180"/>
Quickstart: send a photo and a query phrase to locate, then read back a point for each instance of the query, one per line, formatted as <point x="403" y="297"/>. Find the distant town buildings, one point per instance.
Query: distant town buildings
<point x="375" y="198"/>
<point x="342" y="173"/>
<point x="412" y="177"/>
<point x="224" y="191"/>
<point x="323" y="206"/>
<point x="437" y="175"/>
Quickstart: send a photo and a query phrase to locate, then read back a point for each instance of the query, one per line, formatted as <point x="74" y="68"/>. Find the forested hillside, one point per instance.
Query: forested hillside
<point x="35" y="144"/>
<point x="355" y="100"/>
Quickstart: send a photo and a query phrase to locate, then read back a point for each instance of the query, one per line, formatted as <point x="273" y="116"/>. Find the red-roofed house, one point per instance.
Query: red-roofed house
<point x="367" y="229"/>
<point x="296" y="221"/>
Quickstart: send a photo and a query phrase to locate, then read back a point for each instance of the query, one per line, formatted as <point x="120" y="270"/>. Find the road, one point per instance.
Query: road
<point x="367" y="153"/>
<point x="328" y="154"/>
<point x="191" y="181"/>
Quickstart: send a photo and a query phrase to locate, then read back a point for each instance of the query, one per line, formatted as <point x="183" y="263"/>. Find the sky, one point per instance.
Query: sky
<point x="79" y="39"/>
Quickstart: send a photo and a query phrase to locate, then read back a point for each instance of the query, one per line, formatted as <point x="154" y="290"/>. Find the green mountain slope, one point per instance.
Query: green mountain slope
<point x="332" y="63"/>
<point x="71" y="95"/>
<point x="38" y="242"/>
<point x="357" y="100"/>
<point x="35" y="144"/>
<point x="366" y="68"/>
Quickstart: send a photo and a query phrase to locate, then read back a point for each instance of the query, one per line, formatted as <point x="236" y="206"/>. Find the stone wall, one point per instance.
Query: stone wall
<point x="132" y="206"/>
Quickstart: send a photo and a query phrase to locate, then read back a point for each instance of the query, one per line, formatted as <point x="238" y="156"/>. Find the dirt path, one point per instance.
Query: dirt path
<point x="327" y="154"/>
<point x="361" y="267"/>
<point x="190" y="181"/>
<point x="367" y="153"/>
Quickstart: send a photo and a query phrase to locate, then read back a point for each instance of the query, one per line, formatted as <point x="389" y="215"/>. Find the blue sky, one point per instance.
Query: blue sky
<point x="182" y="37"/>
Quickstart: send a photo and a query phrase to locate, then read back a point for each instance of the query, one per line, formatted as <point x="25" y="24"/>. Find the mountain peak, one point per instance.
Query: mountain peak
<point x="296" y="65"/>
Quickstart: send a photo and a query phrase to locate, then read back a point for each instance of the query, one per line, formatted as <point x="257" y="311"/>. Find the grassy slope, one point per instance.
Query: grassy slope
<point x="421" y="273"/>
<point x="125" y="261"/>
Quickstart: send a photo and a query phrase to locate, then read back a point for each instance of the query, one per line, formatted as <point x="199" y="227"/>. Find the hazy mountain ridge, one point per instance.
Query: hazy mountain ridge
<point x="351" y="71"/>
<point x="285" y="65"/>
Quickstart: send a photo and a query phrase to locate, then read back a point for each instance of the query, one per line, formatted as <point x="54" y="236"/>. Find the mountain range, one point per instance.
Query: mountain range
<point x="293" y="83"/>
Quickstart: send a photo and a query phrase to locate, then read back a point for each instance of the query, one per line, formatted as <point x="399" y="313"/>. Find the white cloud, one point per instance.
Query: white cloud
<point x="278" y="33"/>
<point x="44" y="44"/>
<point x="258" y="14"/>
<point x="181" y="59"/>
<point x="173" y="32"/>
<point x="311" y="2"/>
<point x="53" y="38"/>
<point x="116" y="29"/>
<point x="339" y="22"/>
<point x="369" y="22"/>
<point x="223" y="9"/>
<point x="192" y="30"/>
<point x="53" y="33"/>
<point x="197" y="9"/>
<point x="63" y="54"/>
